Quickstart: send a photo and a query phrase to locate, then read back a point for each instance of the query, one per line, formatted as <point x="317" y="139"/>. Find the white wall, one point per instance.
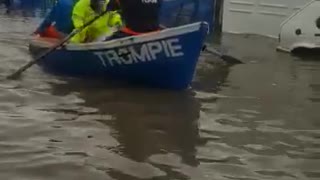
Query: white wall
<point x="258" y="16"/>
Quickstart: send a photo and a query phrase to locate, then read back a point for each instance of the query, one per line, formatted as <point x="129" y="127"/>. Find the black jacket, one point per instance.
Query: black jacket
<point x="138" y="15"/>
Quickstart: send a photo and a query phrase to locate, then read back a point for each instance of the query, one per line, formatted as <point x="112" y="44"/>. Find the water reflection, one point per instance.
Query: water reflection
<point x="144" y="122"/>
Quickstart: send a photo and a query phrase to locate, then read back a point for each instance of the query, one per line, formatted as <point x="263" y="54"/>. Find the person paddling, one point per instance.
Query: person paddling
<point x="84" y="11"/>
<point x="140" y="16"/>
<point x="57" y="24"/>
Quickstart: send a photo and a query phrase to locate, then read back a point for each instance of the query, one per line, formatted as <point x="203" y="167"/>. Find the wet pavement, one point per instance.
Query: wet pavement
<point x="254" y="121"/>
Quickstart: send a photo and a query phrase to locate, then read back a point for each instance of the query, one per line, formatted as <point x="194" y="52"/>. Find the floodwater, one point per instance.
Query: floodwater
<point x="255" y="121"/>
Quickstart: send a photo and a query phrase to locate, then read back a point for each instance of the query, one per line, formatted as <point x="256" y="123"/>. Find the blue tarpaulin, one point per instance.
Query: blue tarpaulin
<point x="173" y="12"/>
<point x="179" y="12"/>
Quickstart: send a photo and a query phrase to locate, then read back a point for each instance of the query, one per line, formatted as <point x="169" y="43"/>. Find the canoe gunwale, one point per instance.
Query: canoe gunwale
<point x="170" y="32"/>
<point x="126" y="41"/>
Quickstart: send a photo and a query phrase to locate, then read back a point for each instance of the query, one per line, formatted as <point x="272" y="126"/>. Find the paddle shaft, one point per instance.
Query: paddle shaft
<point x="25" y="67"/>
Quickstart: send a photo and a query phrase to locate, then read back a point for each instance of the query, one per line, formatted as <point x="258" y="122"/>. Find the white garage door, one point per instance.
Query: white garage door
<point x="258" y="16"/>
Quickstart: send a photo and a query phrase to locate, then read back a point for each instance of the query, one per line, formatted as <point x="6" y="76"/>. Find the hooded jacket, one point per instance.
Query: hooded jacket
<point x="83" y="13"/>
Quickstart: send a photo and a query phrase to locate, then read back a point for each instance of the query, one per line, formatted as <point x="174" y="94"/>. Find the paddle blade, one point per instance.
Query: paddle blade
<point x="226" y="58"/>
<point x="17" y="74"/>
<point x="13" y="76"/>
<point x="231" y="60"/>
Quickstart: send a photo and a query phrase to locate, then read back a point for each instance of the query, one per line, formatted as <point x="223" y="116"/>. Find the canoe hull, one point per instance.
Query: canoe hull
<point x="164" y="60"/>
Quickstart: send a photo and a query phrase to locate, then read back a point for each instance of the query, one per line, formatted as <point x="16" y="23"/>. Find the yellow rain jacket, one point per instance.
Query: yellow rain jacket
<point x="83" y="13"/>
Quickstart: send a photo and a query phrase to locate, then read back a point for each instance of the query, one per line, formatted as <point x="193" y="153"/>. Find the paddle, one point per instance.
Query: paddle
<point x="228" y="59"/>
<point x="74" y="32"/>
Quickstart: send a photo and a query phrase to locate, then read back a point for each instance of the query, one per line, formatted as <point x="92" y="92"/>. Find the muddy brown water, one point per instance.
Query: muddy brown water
<point x="254" y="121"/>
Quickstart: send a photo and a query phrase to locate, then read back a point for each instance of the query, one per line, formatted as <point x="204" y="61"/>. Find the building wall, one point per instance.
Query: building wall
<point x="262" y="17"/>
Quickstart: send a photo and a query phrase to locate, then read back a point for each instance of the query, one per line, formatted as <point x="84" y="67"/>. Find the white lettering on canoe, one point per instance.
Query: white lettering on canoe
<point x="143" y="55"/>
<point x="146" y="52"/>
<point x="125" y="59"/>
<point x="154" y="49"/>
<point x="175" y="49"/>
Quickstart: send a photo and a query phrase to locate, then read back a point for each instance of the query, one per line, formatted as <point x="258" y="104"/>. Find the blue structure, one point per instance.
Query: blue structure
<point x="165" y="59"/>
<point x="60" y="14"/>
<point x="30" y="8"/>
<point x="181" y="12"/>
<point x="173" y="12"/>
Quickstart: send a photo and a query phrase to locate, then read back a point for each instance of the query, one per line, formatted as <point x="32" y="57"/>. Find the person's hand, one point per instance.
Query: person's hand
<point x="116" y="20"/>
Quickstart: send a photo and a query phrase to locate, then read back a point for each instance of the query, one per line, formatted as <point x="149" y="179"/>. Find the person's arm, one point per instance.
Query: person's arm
<point x="115" y="19"/>
<point x="78" y="19"/>
<point x="115" y="16"/>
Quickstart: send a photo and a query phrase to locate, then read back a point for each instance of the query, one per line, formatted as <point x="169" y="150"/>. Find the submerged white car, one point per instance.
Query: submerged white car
<point x="302" y="29"/>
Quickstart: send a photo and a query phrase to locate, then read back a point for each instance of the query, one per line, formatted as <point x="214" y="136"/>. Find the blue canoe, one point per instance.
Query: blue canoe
<point x="164" y="59"/>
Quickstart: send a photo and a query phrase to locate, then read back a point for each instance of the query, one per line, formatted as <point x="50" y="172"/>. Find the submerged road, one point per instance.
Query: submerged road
<point x="254" y="121"/>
